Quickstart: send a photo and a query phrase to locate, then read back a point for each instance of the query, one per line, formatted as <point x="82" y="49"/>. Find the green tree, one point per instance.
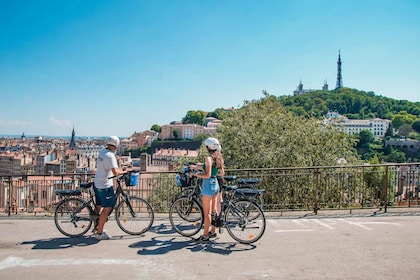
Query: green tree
<point x="201" y="137"/>
<point x="352" y="103"/>
<point x="218" y="113"/>
<point x="396" y="156"/>
<point x="263" y="134"/>
<point x="156" y="128"/>
<point x="197" y="117"/>
<point x="366" y="138"/>
<point x="401" y="118"/>
<point x="175" y="133"/>
<point x="416" y="126"/>
<point x="404" y="130"/>
<point x="390" y="131"/>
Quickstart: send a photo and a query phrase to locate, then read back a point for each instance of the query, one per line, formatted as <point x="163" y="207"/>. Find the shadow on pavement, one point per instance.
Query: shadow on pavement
<point x="162" y="229"/>
<point x="60" y="243"/>
<point x="162" y="245"/>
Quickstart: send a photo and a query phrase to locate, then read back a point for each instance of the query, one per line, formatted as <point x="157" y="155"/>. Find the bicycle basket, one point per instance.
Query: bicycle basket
<point x="132" y="179"/>
<point x="183" y="180"/>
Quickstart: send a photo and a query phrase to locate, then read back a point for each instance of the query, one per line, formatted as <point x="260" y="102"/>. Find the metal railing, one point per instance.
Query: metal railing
<point x="286" y="189"/>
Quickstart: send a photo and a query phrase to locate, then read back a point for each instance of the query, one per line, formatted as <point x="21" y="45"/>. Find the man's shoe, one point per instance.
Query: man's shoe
<point x="102" y="236"/>
<point x="202" y="239"/>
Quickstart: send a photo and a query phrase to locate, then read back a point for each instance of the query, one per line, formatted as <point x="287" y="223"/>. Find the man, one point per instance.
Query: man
<point x="106" y="167"/>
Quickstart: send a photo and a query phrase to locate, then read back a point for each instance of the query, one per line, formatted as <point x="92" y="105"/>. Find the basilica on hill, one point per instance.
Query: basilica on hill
<point x="300" y="90"/>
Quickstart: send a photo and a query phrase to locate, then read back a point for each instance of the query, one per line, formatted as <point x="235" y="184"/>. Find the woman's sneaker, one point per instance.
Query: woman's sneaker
<point x="102" y="236"/>
<point x="212" y="235"/>
<point x="203" y="239"/>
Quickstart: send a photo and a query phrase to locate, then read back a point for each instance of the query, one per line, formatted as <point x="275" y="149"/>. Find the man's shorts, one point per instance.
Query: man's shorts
<point x="210" y="187"/>
<point x="105" y="197"/>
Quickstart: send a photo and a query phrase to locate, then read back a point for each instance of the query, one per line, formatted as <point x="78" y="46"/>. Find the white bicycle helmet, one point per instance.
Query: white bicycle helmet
<point x="114" y="141"/>
<point x="212" y="144"/>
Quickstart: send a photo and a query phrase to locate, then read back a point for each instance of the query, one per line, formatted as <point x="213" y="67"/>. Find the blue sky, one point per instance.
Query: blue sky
<point x="114" y="67"/>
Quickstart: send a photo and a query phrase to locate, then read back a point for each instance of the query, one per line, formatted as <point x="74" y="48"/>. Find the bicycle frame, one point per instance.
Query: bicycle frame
<point x="134" y="215"/>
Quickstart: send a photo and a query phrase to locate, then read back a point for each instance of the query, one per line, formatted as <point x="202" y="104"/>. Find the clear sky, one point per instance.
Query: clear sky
<point x="114" y="67"/>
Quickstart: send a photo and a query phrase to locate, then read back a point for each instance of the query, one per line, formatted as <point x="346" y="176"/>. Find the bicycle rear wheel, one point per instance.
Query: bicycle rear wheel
<point x="245" y="221"/>
<point x="134" y="216"/>
<point x="72" y="218"/>
<point x="186" y="216"/>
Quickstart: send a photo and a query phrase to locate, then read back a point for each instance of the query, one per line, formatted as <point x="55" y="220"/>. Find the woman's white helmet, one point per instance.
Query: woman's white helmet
<point x="114" y="141"/>
<point x="212" y="144"/>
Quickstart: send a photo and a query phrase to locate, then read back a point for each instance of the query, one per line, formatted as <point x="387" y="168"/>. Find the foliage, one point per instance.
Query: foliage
<point x="135" y="153"/>
<point x="162" y="194"/>
<point x="405" y="130"/>
<point x="156" y="128"/>
<point x="416" y="126"/>
<point x="263" y="134"/>
<point x="201" y="137"/>
<point x="356" y="104"/>
<point x="395" y="156"/>
<point x="353" y="103"/>
<point x="402" y="118"/>
<point x="175" y="133"/>
<point x="366" y="137"/>
<point x="219" y="113"/>
<point x="197" y="117"/>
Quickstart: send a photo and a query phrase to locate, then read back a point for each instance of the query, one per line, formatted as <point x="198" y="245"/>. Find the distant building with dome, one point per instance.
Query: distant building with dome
<point x="300" y="90"/>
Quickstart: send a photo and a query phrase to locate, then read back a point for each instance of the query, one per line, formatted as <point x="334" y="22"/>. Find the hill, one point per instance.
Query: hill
<point x="354" y="104"/>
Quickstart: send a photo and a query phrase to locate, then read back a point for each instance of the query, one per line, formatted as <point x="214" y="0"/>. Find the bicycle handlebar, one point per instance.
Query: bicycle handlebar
<point x="118" y="176"/>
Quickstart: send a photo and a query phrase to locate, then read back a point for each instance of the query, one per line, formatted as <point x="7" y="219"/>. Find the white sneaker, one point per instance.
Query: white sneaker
<point x="102" y="236"/>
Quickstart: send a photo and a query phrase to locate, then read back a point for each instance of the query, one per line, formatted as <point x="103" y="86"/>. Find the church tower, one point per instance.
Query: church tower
<point x="73" y="140"/>
<point x="325" y="86"/>
<point x="339" y="78"/>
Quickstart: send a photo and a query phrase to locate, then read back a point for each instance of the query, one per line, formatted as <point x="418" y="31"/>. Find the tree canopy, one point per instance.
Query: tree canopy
<point x="353" y="103"/>
<point x="197" y="117"/>
<point x="263" y="134"/>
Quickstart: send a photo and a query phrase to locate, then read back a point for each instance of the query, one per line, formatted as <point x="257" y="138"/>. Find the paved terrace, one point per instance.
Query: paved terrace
<point x="296" y="245"/>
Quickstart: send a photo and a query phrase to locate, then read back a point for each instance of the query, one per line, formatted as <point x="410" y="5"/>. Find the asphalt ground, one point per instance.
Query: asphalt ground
<point x="295" y="246"/>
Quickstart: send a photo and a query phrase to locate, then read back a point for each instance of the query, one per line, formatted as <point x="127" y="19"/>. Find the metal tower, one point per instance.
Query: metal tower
<point x="339" y="78"/>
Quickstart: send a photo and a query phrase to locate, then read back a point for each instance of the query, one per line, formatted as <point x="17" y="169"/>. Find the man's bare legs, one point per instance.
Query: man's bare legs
<point x="103" y="217"/>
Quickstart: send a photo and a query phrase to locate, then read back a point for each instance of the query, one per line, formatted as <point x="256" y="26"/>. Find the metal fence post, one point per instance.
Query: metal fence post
<point x="385" y="188"/>
<point x="315" y="193"/>
<point x="9" y="196"/>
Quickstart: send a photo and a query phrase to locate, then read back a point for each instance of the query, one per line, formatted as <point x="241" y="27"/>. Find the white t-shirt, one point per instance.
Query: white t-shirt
<point x="106" y="161"/>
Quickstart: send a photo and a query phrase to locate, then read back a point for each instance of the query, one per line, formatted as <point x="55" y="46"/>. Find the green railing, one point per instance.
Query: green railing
<point x="286" y="189"/>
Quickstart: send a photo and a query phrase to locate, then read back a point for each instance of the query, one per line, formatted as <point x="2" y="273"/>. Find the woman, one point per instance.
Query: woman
<point x="213" y="166"/>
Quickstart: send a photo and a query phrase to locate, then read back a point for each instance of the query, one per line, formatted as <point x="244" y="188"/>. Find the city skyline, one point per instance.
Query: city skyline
<point x="118" y="67"/>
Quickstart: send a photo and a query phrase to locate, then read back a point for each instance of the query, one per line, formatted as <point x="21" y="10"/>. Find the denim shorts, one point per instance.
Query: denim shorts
<point x="105" y="197"/>
<point x="210" y="187"/>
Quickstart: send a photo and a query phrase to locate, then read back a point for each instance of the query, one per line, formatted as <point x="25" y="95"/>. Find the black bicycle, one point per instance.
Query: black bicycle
<point x="243" y="218"/>
<point x="74" y="215"/>
<point x="191" y="186"/>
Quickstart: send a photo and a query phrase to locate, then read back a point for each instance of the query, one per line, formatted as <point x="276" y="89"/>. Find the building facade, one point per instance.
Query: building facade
<point x="377" y="126"/>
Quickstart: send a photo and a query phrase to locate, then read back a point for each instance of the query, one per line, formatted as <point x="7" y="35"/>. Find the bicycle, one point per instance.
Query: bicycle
<point x="74" y="215"/>
<point x="247" y="189"/>
<point x="190" y="186"/>
<point x="243" y="218"/>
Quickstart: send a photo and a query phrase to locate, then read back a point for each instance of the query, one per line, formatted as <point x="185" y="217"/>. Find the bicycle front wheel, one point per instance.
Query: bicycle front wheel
<point x="186" y="216"/>
<point x="134" y="216"/>
<point x="72" y="218"/>
<point x="245" y="221"/>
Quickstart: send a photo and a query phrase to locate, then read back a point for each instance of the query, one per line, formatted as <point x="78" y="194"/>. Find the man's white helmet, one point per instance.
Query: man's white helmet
<point x="114" y="141"/>
<point x="212" y="144"/>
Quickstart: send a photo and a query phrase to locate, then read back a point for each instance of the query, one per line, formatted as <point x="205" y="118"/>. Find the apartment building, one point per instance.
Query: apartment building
<point x="377" y="126"/>
<point x="187" y="131"/>
<point x="11" y="163"/>
<point x="168" y="156"/>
